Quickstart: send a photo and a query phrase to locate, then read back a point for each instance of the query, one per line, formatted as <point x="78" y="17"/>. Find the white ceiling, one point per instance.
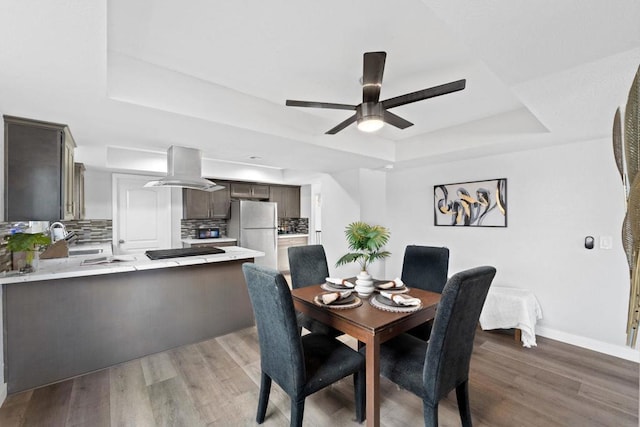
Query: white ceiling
<point x="215" y="75"/>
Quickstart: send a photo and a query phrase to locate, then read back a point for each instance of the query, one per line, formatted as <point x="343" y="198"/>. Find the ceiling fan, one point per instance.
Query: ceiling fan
<point x="372" y="113"/>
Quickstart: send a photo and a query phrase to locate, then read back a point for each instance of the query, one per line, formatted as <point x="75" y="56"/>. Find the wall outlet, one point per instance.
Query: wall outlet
<point x="606" y="242"/>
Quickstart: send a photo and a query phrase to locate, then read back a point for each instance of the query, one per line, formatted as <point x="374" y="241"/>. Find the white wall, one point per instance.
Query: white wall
<point x="97" y="194"/>
<point x="556" y="197"/>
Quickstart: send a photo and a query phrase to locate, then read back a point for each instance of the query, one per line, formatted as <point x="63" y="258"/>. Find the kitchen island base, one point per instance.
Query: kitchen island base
<point x="56" y="329"/>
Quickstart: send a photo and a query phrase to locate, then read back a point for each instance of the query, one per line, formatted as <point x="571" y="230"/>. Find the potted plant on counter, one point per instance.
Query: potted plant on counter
<point x="366" y="243"/>
<point x="25" y="248"/>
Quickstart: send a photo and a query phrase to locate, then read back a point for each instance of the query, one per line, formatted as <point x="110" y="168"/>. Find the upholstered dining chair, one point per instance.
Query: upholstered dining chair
<point x="308" y="266"/>
<point x="425" y="267"/>
<point x="300" y="365"/>
<point x="431" y="370"/>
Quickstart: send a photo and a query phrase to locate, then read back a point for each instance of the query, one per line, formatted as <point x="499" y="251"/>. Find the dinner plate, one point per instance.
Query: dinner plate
<point x="350" y="302"/>
<point x="331" y="287"/>
<point x="387" y="301"/>
<point x="385" y="304"/>
<point x="400" y="290"/>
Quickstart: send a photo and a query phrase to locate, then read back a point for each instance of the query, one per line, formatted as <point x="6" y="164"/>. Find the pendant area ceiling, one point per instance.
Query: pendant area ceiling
<point x="215" y="75"/>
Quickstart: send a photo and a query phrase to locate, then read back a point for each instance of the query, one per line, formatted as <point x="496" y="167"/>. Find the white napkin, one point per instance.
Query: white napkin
<point x="395" y="283"/>
<point x="335" y="296"/>
<point x="401" y="299"/>
<point x="339" y="281"/>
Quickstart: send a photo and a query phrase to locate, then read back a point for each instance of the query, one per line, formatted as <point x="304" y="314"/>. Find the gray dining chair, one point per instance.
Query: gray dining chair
<point x="300" y="365"/>
<point x="432" y="369"/>
<point x="308" y="266"/>
<point x="425" y="267"/>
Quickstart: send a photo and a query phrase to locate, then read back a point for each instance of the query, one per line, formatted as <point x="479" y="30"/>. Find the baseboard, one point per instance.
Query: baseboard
<point x="627" y="353"/>
<point x="3" y="393"/>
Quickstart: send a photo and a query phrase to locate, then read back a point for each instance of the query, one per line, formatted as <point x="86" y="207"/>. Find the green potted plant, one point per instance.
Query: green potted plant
<point x="26" y="246"/>
<point x="366" y="243"/>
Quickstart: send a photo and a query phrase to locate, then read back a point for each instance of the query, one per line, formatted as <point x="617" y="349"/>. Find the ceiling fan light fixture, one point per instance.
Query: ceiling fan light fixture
<point x="370" y="124"/>
<point x="369" y="116"/>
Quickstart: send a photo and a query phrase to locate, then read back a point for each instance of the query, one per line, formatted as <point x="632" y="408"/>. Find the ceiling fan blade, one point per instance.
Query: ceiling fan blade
<point x="341" y="126"/>
<point x="372" y="72"/>
<point x="424" y="94"/>
<point x="292" y="103"/>
<point x="396" y="121"/>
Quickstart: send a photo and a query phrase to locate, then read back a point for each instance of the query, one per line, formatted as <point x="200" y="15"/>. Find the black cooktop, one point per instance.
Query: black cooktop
<point x="181" y="252"/>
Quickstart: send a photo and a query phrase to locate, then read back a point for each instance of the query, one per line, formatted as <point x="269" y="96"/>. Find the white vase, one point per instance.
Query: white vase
<point x="364" y="284"/>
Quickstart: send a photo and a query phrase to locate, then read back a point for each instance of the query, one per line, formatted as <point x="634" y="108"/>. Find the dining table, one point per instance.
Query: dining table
<point x="371" y="326"/>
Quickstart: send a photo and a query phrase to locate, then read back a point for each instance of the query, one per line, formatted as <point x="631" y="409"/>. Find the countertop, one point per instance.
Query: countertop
<point x="61" y="268"/>
<point x="289" y="236"/>
<point x="213" y="240"/>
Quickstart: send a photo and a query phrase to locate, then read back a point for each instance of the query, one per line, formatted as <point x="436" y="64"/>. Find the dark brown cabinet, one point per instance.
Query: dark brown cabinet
<point x="39" y="170"/>
<point x="78" y="191"/>
<point x="197" y="204"/>
<point x="246" y="190"/>
<point x="288" y="200"/>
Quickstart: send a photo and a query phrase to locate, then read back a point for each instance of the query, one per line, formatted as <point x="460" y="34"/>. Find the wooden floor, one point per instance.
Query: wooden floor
<point x="216" y="383"/>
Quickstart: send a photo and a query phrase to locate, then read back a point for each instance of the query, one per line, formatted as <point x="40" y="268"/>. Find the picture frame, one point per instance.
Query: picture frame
<point x="471" y="204"/>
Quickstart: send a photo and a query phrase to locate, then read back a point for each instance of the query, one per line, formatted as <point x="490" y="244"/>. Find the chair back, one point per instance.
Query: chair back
<point x="281" y="355"/>
<point x="425" y="267"/>
<point x="308" y="265"/>
<point x="451" y="342"/>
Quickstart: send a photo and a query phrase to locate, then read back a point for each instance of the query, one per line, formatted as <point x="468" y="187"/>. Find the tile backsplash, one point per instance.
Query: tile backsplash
<point x="293" y="226"/>
<point x="87" y="230"/>
<point x="188" y="226"/>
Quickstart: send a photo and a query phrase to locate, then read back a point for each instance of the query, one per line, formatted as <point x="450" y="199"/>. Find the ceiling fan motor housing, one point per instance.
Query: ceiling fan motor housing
<point x="369" y="110"/>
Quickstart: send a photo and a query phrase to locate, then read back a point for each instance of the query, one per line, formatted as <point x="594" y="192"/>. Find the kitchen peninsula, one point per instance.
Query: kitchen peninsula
<point x="67" y="318"/>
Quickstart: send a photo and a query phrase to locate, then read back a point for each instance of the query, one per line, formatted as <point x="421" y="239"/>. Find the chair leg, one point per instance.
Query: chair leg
<point x="462" y="394"/>
<point x="265" y="389"/>
<point x="359" y="387"/>
<point x="297" y="412"/>
<point x="430" y="415"/>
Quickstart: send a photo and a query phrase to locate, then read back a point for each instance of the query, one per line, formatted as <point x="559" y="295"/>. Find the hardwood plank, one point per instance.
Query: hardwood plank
<point x="194" y="371"/>
<point x="172" y="405"/>
<point x="13" y="410"/>
<point x="616" y="401"/>
<point x="130" y="405"/>
<point x="89" y="404"/>
<point x="157" y="368"/>
<point x="242" y="346"/>
<point x="49" y="405"/>
<point x="241" y="411"/>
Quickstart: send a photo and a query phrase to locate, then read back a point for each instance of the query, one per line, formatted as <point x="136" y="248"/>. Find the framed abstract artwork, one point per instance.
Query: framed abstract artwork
<point x="471" y="204"/>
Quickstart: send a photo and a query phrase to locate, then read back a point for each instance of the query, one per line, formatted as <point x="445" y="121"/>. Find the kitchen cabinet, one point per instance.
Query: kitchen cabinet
<point x="284" y="243"/>
<point x="39" y="170"/>
<point x="246" y="190"/>
<point x="197" y="204"/>
<point x="288" y="200"/>
<point x="78" y="191"/>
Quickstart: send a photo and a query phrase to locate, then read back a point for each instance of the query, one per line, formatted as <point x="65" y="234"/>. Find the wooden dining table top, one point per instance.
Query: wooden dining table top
<point x="367" y="317"/>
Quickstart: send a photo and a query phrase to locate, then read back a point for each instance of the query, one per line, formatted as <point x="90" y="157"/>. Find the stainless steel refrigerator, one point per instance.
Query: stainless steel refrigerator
<point x="255" y="225"/>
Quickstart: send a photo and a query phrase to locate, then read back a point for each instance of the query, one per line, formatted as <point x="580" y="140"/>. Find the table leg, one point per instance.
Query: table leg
<point x="372" y="354"/>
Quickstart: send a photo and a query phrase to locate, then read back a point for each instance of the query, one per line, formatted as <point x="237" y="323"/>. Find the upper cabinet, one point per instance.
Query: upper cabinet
<point x="39" y="170"/>
<point x="288" y="200"/>
<point x="245" y="190"/>
<point x="78" y="191"/>
<point x="197" y="204"/>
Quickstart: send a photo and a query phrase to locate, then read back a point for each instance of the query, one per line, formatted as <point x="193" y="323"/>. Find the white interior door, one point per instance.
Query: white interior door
<point x="142" y="216"/>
